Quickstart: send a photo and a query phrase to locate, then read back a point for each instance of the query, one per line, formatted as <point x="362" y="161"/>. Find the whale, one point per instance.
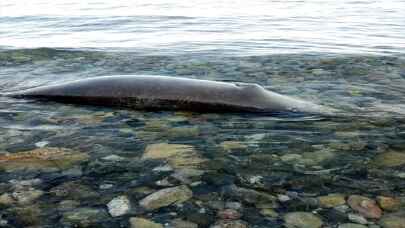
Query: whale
<point x="145" y="92"/>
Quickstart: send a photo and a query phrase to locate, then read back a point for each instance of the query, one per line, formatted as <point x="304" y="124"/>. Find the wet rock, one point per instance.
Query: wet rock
<point x="6" y="199"/>
<point x="268" y="212"/>
<point x="177" y="155"/>
<point x="26" y="196"/>
<point x="84" y="217"/>
<point x="229" y="214"/>
<point x="42" y="159"/>
<point x="283" y="198"/>
<point x="351" y="225"/>
<point x="365" y="206"/>
<point x="119" y="206"/>
<point x="68" y="205"/>
<point x="137" y="222"/>
<point x="229" y="146"/>
<point x="113" y="158"/>
<point x="182" y="132"/>
<point x="233" y="205"/>
<point x="389" y="159"/>
<point x="27" y="216"/>
<point x="302" y="220"/>
<point x="179" y="223"/>
<point x="389" y="203"/>
<point x="230" y="224"/>
<point x="357" y="218"/>
<point x="291" y="158"/>
<point x="317" y="157"/>
<point x="331" y="200"/>
<point x="396" y="220"/>
<point x="251" y="196"/>
<point x="73" y="190"/>
<point x="166" y="197"/>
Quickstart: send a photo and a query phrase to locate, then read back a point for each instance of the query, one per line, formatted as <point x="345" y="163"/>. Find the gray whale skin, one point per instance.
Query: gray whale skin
<point x="170" y="93"/>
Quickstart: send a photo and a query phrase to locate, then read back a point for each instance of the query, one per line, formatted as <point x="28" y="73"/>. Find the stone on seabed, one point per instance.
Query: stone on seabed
<point x="396" y="220"/>
<point x="331" y="200"/>
<point x="178" y="155"/>
<point x="389" y="159"/>
<point x="389" y="203"/>
<point x="351" y="225"/>
<point x="42" y="159"/>
<point x="302" y="220"/>
<point x="365" y="206"/>
<point x="143" y="223"/>
<point x="166" y="197"/>
<point x="119" y="206"/>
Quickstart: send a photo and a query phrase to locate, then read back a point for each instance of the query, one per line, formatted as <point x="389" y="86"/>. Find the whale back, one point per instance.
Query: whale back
<point x="155" y="92"/>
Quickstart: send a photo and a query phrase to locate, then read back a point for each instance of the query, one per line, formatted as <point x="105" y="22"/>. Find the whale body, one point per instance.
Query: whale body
<point x="169" y="93"/>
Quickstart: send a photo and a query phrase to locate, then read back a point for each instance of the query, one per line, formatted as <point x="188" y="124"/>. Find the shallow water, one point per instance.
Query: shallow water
<point x="353" y="61"/>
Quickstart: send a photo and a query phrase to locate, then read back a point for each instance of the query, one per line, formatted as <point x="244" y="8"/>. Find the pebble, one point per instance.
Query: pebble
<point x="302" y="220"/>
<point x="119" y="206"/>
<point x="137" y="222"/>
<point x="389" y="203"/>
<point x="331" y="200"/>
<point x="41" y="144"/>
<point x="113" y="157"/>
<point x="166" y="197"/>
<point x="230" y="224"/>
<point x="283" y="198"/>
<point x="229" y="214"/>
<point x="105" y="186"/>
<point x="351" y="225"/>
<point x="179" y="223"/>
<point x="233" y="205"/>
<point x="27" y="196"/>
<point x="357" y="218"/>
<point x="389" y="159"/>
<point x="268" y="212"/>
<point x="365" y="206"/>
<point x="393" y="220"/>
<point x="84" y="217"/>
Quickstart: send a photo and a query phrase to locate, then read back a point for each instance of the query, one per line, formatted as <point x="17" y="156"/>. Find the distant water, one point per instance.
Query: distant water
<point x="235" y="27"/>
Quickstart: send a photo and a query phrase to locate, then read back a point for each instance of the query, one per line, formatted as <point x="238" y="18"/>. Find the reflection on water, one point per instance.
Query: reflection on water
<point x="234" y="27"/>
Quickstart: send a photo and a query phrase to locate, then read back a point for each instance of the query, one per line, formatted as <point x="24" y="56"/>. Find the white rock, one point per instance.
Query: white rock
<point x="41" y="144"/>
<point x="357" y="218"/>
<point x="113" y="157"/>
<point x="119" y="206"/>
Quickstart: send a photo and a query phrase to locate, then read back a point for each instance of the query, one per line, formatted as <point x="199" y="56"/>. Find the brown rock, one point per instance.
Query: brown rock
<point x="389" y="203"/>
<point x="365" y="206"/>
<point x="41" y="158"/>
<point x="229" y="214"/>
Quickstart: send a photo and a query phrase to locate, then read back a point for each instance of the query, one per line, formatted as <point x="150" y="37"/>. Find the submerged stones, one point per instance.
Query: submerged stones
<point x="389" y="159"/>
<point x="137" y="222"/>
<point x="166" y="197"/>
<point x="395" y="220"/>
<point x="84" y="217"/>
<point x="331" y="200"/>
<point x="302" y="220"/>
<point x="119" y="206"/>
<point x="177" y="155"/>
<point x="42" y="159"/>
<point x="365" y="206"/>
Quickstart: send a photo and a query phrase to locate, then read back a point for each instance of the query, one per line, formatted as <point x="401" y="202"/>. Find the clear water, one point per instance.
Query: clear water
<point x="348" y="55"/>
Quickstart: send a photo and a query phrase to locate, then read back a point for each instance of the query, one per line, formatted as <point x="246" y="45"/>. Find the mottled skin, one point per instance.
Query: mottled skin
<point x="169" y="93"/>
